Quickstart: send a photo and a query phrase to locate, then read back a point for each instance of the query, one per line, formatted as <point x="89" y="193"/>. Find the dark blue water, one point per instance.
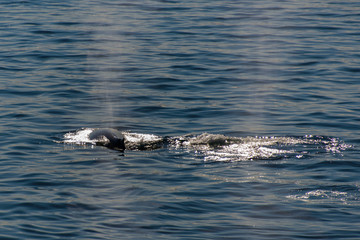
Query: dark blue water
<point x="258" y="101"/>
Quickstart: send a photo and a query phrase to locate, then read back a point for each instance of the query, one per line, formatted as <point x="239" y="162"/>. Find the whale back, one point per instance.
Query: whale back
<point x="115" y="137"/>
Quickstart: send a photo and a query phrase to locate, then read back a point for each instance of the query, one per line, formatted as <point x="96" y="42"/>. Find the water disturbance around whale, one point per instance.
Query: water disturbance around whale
<point x="212" y="147"/>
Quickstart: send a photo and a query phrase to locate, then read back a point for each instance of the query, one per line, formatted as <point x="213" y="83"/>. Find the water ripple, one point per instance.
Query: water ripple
<point x="234" y="112"/>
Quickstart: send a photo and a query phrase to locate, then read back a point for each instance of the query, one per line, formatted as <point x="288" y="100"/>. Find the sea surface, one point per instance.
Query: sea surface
<point x="241" y="119"/>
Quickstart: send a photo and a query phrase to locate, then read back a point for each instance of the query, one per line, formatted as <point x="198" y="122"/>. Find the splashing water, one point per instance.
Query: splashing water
<point x="221" y="148"/>
<point x="216" y="147"/>
<point x="80" y="137"/>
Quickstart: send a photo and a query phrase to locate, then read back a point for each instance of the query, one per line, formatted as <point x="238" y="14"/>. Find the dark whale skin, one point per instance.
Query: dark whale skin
<point x="115" y="137"/>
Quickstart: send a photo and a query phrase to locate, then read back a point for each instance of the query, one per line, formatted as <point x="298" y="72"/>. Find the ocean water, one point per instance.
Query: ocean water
<point x="241" y="119"/>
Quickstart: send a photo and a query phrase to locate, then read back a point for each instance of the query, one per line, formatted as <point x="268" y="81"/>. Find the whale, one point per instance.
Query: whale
<point x="114" y="139"/>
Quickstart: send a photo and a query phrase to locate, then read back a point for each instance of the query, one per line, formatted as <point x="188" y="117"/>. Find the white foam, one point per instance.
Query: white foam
<point x="141" y="141"/>
<point x="80" y="137"/>
<point x="242" y="152"/>
<point x="216" y="147"/>
<point x="327" y="196"/>
<point x="141" y="137"/>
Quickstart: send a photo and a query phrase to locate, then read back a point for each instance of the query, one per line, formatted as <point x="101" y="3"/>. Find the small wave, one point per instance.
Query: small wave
<point x="322" y="195"/>
<point x="221" y="148"/>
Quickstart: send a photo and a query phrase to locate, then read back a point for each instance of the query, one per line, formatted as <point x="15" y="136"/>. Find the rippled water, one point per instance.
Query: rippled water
<point x="241" y="119"/>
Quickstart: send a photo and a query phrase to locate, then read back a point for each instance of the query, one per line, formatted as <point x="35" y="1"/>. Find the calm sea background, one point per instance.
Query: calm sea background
<point x="250" y="70"/>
